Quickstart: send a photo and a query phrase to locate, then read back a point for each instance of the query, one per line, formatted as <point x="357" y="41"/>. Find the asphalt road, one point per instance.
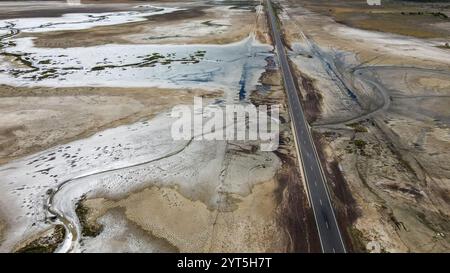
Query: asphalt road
<point x="330" y="236"/>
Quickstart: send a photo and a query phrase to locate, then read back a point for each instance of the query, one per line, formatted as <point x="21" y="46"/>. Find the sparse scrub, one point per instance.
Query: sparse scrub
<point x="358" y="127"/>
<point x="359" y="143"/>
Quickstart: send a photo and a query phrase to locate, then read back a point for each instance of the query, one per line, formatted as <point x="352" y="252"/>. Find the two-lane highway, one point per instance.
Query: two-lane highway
<point x="328" y="229"/>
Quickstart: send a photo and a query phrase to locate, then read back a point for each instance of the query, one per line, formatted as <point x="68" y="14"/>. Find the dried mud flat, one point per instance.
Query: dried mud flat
<point x="34" y="119"/>
<point x="271" y="216"/>
<point x="92" y="167"/>
<point x="382" y="121"/>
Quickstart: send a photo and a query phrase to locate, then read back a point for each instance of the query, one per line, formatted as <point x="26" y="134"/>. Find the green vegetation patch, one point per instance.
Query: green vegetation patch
<point x="359" y="143"/>
<point x="358" y="127"/>
<point x="157" y="58"/>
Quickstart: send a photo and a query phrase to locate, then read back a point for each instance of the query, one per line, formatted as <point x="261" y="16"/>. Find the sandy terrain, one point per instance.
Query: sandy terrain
<point x="191" y="226"/>
<point x="38" y="118"/>
<point x="202" y="24"/>
<point x="382" y="122"/>
<point x="89" y="151"/>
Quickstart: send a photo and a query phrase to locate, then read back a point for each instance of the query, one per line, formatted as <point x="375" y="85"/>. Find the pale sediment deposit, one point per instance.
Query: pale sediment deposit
<point x="88" y="160"/>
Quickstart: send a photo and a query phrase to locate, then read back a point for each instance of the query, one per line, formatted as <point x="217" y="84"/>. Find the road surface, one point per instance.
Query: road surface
<point x="329" y="233"/>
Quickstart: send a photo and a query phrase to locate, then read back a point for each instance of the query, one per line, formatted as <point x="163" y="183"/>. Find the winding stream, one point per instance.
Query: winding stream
<point x="72" y="226"/>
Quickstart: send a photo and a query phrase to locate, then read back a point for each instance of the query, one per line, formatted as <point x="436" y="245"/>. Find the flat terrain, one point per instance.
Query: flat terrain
<point x="429" y="20"/>
<point x="87" y="158"/>
<point x="88" y="163"/>
<point x="381" y="92"/>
